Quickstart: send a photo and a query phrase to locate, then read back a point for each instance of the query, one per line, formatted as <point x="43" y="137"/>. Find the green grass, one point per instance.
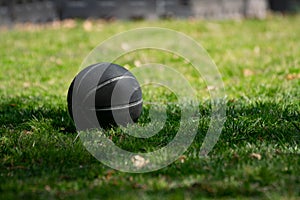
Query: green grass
<point x="260" y="65"/>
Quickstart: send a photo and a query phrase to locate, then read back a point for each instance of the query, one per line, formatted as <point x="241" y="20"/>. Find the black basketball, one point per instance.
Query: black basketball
<point x="104" y="94"/>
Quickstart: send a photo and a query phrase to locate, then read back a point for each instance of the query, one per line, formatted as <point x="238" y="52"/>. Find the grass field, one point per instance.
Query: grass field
<point x="257" y="155"/>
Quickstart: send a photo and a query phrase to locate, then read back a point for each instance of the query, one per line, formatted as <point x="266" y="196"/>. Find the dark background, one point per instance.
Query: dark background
<point x="49" y="10"/>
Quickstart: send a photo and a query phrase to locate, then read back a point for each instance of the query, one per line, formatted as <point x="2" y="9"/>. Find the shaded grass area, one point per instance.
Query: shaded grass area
<point x="257" y="155"/>
<point x="41" y="156"/>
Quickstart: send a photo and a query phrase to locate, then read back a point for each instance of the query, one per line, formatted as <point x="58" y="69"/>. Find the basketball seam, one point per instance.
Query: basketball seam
<point x="119" y="107"/>
<point x="104" y="84"/>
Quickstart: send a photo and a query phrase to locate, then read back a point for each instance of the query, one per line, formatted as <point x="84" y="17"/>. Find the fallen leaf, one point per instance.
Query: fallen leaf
<point x="256" y="50"/>
<point x="139" y="161"/>
<point x="137" y="63"/>
<point x="248" y="72"/>
<point x="27" y="132"/>
<point x="48" y="188"/>
<point x="255" y="155"/>
<point x="26" y="85"/>
<point x="109" y="174"/>
<point x="211" y="87"/>
<point x="88" y="25"/>
<point x="292" y="76"/>
<point x="130" y="178"/>
<point x="125" y="46"/>
<point x="55" y="24"/>
<point x="69" y="23"/>
<point x="182" y="158"/>
<point x="139" y="186"/>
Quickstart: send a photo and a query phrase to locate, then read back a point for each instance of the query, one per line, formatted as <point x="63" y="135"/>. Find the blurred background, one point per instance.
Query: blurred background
<point x="40" y="11"/>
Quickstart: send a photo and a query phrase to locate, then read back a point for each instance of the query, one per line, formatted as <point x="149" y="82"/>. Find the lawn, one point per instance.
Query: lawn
<point x="257" y="155"/>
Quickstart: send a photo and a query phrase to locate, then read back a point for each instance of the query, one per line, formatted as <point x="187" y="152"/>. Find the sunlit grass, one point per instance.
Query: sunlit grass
<point x="257" y="155"/>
